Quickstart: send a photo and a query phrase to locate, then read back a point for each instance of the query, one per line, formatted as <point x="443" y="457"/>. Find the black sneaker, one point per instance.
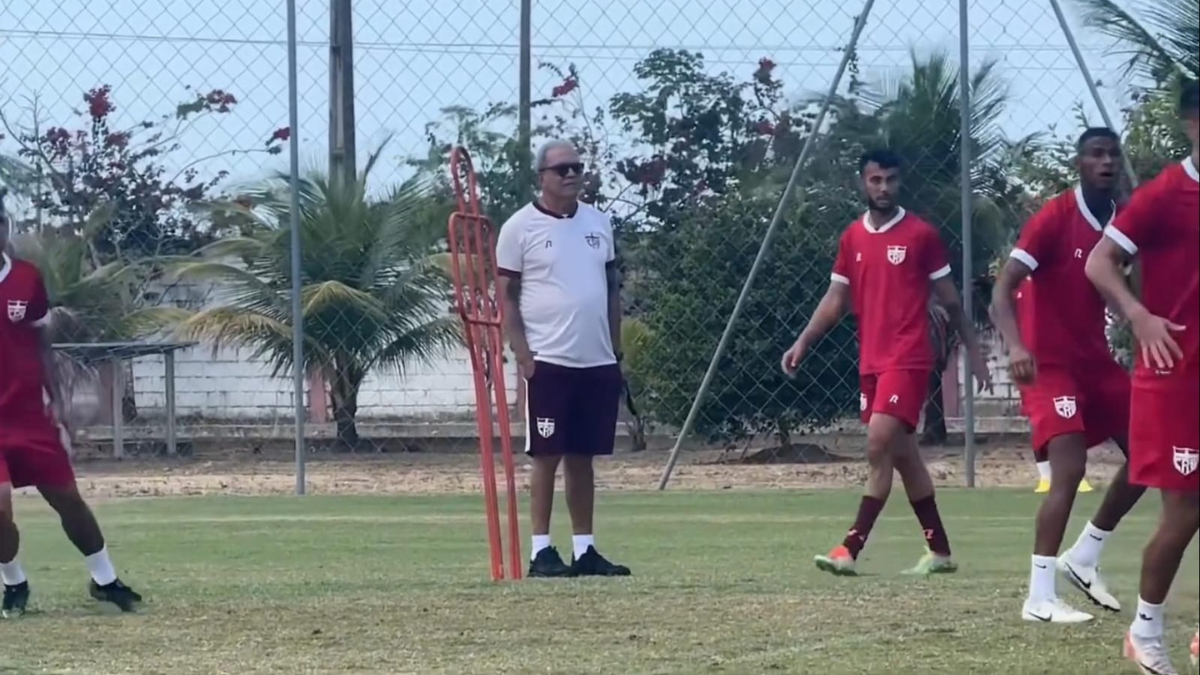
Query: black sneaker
<point x="117" y="593"/>
<point x="15" y="600"/>
<point x="548" y="563"/>
<point x="592" y="564"/>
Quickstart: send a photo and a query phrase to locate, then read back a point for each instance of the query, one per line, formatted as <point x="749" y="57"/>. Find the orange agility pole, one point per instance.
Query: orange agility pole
<point x="473" y="265"/>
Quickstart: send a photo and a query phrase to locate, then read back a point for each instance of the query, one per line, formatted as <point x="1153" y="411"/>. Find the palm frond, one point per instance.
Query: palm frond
<point x="1151" y="55"/>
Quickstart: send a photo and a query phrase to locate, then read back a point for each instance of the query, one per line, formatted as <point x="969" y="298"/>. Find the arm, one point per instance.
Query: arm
<point x="613" y="277"/>
<point x="508" y="289"/>
<point x="1003" y="310"/>
<point x="827" y="315"/>
<point x="948" y="297"/>
<point x="1103" y="269"/>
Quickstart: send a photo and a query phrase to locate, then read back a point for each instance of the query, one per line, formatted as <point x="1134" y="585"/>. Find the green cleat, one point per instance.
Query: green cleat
<point x="839" y="562"/>
<point x="931" y="563"/>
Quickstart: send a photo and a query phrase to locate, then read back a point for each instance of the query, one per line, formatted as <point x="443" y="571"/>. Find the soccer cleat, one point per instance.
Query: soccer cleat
<point x="1150" y="655"/>
<point x="16" y="598"/>
<point x="548" y="564"/>
<point x="839" y="562"/>
<point x="1195" y="651"/>
<point x="592" y="564"/>
<point x="1089" y="582"/>
<point x="1052" y="611"/>
<point x="932" y="563"/>
<point x="117" y="593"/>
<point x="1085" y="486"/>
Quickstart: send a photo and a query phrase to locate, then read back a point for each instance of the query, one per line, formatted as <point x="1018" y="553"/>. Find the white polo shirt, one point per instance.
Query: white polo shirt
<point x="564" y="284"/>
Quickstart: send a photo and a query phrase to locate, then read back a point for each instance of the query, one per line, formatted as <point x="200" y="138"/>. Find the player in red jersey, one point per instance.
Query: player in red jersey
<point x="888" y="265"/>
<point x="1161" y="226"/>
<point x="33" y="446"/>
<point x="1072" y="389"/>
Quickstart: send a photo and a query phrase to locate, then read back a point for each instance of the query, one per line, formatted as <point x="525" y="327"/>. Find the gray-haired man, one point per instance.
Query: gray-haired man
<point x="562" y="309"/>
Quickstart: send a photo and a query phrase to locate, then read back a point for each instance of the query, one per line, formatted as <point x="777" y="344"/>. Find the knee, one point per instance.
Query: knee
<point x="1068" y="475"/>
<point x="878" y="447"/>
<point x="577" y="465"/>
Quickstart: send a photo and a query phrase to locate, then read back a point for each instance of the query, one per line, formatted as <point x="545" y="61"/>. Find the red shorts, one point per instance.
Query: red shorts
<point x="899" y="393"/>
<point x="33" y="451"/>
<point x="1092" y="401"/>
<point x="1164" y="438"/>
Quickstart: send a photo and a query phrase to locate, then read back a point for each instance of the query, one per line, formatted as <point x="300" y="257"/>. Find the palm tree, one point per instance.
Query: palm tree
<point x="374" y="296"/>
<point x="1161" y="45"/>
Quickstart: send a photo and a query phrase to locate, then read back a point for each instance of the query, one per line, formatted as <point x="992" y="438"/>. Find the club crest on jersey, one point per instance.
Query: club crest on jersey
<point x="895" y="254"/>
<point x="16" y="310"/>
<point x="592" y="240"/>
<point x="1065" y="406"/>
<point x="1186" y="460"/>
<point x="545" y="427"/>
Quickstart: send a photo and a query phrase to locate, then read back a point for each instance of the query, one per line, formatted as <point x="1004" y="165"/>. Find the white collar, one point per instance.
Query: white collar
<point x="1190" y="168"/>
<point x="866" y="221"/>
<point x="6" y="267"/>
<point x="1087" y="214"/>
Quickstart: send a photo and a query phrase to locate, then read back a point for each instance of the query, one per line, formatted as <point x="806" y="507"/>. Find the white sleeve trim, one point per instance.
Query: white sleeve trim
<point x="42" y="322"/>
<point x="839" y="279"/>
<point x="944" y="272"/>
<point x="1121" y="240"/>
<point x="1023" y="255"/>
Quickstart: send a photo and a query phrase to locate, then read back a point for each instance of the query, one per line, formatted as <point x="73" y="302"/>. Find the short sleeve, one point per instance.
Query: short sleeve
<point x="510" y="248"/>
<point x="934" y="257"/>
<point x="1134" y="226"/>
<point x="1035" y="245"/>
<point x="38" y="312"/>
<point x="841" y="264"/>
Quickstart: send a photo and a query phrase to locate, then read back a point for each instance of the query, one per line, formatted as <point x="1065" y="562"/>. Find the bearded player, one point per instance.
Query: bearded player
<point x="1072" y="389"/>
<point x="1161" y="226"/>
<point x="32" y="443"/>
<point x="888" y="264"/>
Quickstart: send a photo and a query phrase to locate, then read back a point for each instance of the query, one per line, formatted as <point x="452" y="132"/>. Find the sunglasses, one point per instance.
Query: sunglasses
<point x="563" y="169"/>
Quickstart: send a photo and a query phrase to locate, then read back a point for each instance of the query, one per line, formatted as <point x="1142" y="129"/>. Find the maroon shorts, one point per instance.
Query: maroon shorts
<point x="572" y="411"/>
<point x="1092" y="401"/>
<point x="33" y="451"/>
<point x="1164" y="436"/>
<point x="898" y="393"/>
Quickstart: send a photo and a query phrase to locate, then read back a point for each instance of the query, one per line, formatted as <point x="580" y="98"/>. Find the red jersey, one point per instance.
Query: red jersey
<point x="1161" y="225"/>
<point x="22" y="375"/>
<point x="890" y="271"/>
<point x="1064" y="319"/>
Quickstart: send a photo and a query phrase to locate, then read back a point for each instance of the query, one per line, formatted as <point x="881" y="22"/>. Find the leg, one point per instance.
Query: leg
<point x="16" y="587"/>
<point x="544" y="444"/>
<point x="918" y="485"/>
<point x="592" y="432"/>
<point x="1144" y="643"/>
<point x="881" y="430"/>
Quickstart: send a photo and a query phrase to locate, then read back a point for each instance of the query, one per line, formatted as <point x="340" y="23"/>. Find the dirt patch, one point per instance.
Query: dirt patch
<point x="797" y="453"/>
<point x="271" y="471"/>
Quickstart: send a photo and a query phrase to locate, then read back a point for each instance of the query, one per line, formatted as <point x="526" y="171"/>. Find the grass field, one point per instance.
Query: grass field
<point x="723" y="584"/>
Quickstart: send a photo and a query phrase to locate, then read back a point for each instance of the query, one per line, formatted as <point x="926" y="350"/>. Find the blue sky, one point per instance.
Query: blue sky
<point x="416" y="57"/>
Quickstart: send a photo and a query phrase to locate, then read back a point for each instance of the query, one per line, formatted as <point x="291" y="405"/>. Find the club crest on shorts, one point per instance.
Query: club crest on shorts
<point x="1186" y="460"/>
<point x="545" y="427"/>
<point x="16" y="310"/>
<point x="1065" y="406"/>
<point x="895" y="254"/>
<point x="592" y="240"/>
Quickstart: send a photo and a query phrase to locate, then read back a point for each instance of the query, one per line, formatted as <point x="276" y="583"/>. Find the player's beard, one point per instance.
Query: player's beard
<point x="889" y="209"/>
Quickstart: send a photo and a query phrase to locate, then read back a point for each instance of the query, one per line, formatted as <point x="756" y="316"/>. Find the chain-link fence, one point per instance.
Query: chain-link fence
<point x="144" y="151"/>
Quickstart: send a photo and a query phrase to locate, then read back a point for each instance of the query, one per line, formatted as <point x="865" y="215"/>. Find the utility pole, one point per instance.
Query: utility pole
<point x="342" y="159"/>
<point x="525" y="94"/>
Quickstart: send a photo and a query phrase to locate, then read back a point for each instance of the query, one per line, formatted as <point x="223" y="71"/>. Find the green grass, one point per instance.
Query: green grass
<point x="723" y="583"/>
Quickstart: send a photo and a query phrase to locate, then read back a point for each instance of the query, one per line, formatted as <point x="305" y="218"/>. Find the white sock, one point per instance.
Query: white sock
<point x="1041" y="578"/>
<point x="1148" y="622"/>
<point x="581" y="542"/>
<point x="1043" y="470"/>
<point x="540" y="543"/>
<point x="101" y="567"/>
<point x="11" y="573"/>
<point x="1089" y="546"/>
